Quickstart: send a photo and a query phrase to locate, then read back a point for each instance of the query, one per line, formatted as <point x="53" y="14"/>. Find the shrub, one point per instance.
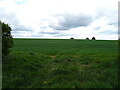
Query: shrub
<point x="87" y="38"/>
<point x="71" y="38"/>
<point x="7" y="40"/>
<point x="93" y="38"/>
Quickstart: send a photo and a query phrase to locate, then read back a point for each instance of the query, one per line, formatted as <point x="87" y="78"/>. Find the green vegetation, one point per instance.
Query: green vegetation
<point x="7" y="41"/>
<point x="46" y="63"/>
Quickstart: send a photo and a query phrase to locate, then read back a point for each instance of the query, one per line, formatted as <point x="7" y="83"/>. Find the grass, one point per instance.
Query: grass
<point x="47" y="63"/>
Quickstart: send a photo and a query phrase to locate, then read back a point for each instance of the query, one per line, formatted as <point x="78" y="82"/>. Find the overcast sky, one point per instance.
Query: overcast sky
<point x="61" y="18"/>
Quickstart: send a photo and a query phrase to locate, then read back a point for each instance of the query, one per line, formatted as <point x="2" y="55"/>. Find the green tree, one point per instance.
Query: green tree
<point x="7" y="40"/>
<point x="93" y="38"/>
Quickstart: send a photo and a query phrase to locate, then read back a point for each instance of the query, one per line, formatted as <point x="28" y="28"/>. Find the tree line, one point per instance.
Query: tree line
<point x="93" y="38"/>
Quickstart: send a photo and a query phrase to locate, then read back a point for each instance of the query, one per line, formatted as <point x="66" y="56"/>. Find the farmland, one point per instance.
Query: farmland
<point x="61" y="63"/>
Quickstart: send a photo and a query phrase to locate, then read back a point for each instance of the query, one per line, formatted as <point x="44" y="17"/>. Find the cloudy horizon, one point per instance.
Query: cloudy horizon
<point x="61" y="18"/>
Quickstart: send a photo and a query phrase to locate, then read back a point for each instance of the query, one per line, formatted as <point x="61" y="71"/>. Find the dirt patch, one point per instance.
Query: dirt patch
<point x="85" y="65"/>
<point x="53" y="57"/>
<point x="77" y="56"/>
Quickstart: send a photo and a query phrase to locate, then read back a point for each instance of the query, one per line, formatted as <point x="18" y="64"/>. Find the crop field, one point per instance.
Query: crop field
<point x="61" y="63"/>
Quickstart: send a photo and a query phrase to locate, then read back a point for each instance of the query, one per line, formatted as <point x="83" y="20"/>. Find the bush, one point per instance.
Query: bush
<point x="71" y="38"/>
<point x="7" y="40"/>
<point x="93" y="38"/>
<point x="87" y="38"/>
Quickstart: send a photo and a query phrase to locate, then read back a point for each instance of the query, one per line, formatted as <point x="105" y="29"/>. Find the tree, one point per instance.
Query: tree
<point x="87" y="38"/>
<point x="71" y="38"/>
<point x="93" y="38"/>
<point x="7" y="40"/>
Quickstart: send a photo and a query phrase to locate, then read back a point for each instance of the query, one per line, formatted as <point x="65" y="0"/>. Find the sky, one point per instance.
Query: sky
<point x="61" y="19"/>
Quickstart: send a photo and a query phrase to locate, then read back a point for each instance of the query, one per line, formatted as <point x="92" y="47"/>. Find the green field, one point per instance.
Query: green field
<point x="61" y="63"/>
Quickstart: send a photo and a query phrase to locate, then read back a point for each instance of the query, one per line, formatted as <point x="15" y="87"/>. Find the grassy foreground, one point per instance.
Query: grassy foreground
<point x="46" y="63"/>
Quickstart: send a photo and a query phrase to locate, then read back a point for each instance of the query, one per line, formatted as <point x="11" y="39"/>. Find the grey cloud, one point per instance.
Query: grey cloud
<point x="43" y="27"/>
<point x="49" y="33"/>
<point x="39" y="35"/>
<point x="12" y="20"/>
<point x="19" y="32"/>
<point x="97" y="28"/>
<point x="17" y="35"/>
<point x="68" y="21"/>
<point x="113" y="23"/>
<point x="21" y="28"/>
<point x="110" y="14"/>
<point x="109" y="32"/>
<point x="59" y="35"/>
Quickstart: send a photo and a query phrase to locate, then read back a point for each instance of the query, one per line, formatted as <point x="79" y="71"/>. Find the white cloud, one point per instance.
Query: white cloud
<point x="36" y="16"/>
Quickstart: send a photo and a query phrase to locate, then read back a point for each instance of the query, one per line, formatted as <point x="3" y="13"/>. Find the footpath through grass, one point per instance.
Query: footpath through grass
<point x="44" y="63"/>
